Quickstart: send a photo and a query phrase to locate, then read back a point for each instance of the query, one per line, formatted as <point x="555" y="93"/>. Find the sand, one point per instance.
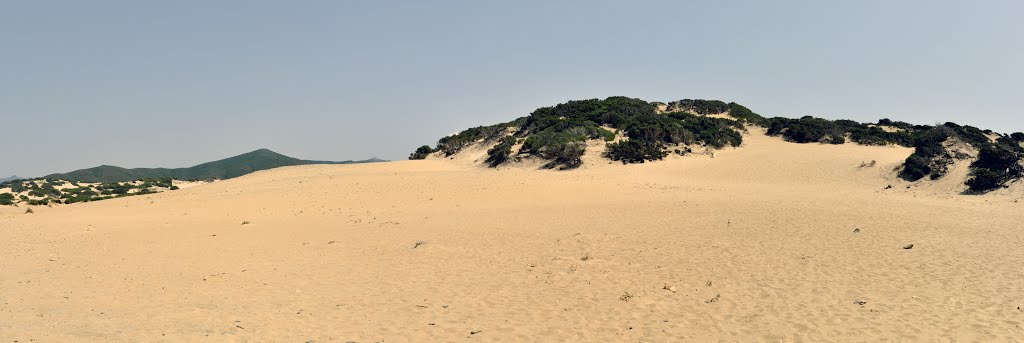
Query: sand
<point x="756" y="244"/>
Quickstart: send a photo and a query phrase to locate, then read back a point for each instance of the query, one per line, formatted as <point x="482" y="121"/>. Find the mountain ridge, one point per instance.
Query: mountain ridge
<point x="231" y="167"/>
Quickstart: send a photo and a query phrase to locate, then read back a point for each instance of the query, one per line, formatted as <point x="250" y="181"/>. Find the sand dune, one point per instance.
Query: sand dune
<point x="756" y="244"/>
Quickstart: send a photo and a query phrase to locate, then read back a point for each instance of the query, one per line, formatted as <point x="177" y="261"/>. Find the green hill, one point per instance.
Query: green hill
<point x="227" y="168"/>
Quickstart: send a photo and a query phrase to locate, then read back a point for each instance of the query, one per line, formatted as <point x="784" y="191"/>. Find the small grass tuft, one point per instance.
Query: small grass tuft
<point x="625" y="296"/>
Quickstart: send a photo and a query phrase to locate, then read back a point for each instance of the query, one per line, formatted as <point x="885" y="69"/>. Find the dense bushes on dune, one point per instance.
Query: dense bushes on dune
<point x="715" y="132"/>
<point x="927" y="147"/>
<point x="577" y="121"/>
<point x="807" y="130"/>
<point x="80" y="194"/>
<point x="17" y="186"/>
<point x="970" y="134"/>
<point x="558" y="134"/>
<point x="562" y="148"/>
<point x="452" y="144"/>
<point x="817" y="130"/>
<point x="873" y="135"/>
<point x="745" y="114"/>
<point x="113" y="188"/>
<point x="699" y="106"/>
<point x="997" y="164"/>
<point x="163" y="182"/>
<point x="658" y="128"/>
<point x="38" y="202"/>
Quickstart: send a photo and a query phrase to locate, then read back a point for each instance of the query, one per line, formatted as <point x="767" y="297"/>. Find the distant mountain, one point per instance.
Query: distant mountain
<point x="227" y="168"/>
<point x="10" y="178"/>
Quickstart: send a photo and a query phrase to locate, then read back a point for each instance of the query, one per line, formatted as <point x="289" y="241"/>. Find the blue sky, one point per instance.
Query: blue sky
<point x="176" y="83"/>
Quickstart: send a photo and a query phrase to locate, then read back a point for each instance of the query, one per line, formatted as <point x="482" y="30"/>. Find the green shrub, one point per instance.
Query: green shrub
<point x="873" y="135"/>
<point x="114" y="188"/>
<point x="164" y="182"/>
<point x="500" y="152"/>
<point x="807" y="130"/>
<point x="996" y="165"/>
<point x="50" y="190"/>
<point x="604" y="134"/>
<point x="817" y="130"/>
<point x="1008" y="143"/>
<point x="983" y="180"/>
<point x="700" y="106"/>
<point x="927" y="147"/>
<point x="969" y="134"/>
<point x="635" y="151"/>
<point x="745" y="114"/>
<point x="564" y="155"/>
<point x="715" y="132"/>
<point x="563" y="149"/>
<point x="659" y="128"/>
<point x="685" y="128"/>
<point x="39" y="202"/>
<point x="896" y="124"/>
<point x="421" y="153"/>
<point x="144" y="191"/>
<point x="79" y="194"/>
<point x="6" y="199"/>
<point x="454" y="143"/>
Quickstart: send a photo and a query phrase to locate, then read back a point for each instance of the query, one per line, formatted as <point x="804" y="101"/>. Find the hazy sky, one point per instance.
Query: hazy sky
<point x="176" y="83"/>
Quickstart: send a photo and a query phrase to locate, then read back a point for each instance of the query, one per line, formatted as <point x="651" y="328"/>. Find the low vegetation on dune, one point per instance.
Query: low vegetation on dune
<point x="49" y="191"/>
<point x="637" y="131"/>
<point x="106" y="182"/>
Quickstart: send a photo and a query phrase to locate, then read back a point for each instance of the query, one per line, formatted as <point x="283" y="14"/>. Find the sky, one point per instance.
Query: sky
<point x="177" y="83"/>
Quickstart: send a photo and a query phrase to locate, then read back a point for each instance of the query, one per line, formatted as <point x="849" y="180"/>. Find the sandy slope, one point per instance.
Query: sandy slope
<point x="755" y="244"/>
